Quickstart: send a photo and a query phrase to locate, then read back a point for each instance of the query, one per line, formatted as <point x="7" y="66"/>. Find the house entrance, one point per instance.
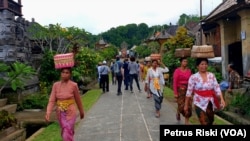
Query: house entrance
<point x="235" y="56"/>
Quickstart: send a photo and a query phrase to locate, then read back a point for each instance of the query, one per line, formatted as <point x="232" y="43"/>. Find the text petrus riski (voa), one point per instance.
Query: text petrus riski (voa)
<point x="196" y="132"/>
<point x="206" y="132"/>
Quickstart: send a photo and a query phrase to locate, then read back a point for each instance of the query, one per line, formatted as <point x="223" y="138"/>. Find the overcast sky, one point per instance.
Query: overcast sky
<point x="96" y="16"/>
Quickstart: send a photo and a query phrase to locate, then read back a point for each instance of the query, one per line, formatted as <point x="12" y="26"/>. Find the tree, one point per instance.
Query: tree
<point x="15" y="75"/>
<point x="86" y="62"/>
<point x="57" y="38"/>
<point x="142" y="51"/>
<point x="187" y="18"/>
<point x="180" y="40"/>
<point x="71" y="36"/>
<point x="109" y="52"/>
<point x="37" y="34"/>
<point x="47" y="74"/>
<point x="154" y="47"/>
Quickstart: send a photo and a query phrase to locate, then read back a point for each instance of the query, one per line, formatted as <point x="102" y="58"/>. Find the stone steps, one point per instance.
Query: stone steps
<point x="18" y="135"/>
<point x="11" y="133"/>
<point x="3" y="102"/>
<point x="11" y="108"/>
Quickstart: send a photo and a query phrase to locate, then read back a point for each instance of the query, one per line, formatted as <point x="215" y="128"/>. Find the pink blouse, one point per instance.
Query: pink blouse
<point x="180" y="77"/>
<point x="63" y="92"/>
<point x="196" y="83"/>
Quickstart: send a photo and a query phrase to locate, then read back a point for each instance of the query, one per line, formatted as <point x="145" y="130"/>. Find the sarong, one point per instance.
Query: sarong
<point x="67" y="126"/>
<point x="181" y="102"/>
<point x="67" y="118"/>
<point x="158" y="100"/>
<point x="205" y="118"/>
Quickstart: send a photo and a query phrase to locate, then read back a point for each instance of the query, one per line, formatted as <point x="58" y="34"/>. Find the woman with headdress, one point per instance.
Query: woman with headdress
<point x="180" y="82"/>
<point x="144" y="77"/>
<point x="155" y="83"/>
<point x="65" y="95"/>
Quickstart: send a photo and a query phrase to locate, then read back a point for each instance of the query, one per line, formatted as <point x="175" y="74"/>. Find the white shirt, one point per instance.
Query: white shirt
<point x="99" y="69"/>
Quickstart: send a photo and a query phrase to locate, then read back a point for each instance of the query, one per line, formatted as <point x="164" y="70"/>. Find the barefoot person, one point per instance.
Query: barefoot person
<point x="65" y="94"/>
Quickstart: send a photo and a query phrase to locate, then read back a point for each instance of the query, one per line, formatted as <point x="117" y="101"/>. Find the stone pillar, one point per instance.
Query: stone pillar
<point x="224" y="49"/>
<point x="245" y="28"/>
<point x="229" y="30"/>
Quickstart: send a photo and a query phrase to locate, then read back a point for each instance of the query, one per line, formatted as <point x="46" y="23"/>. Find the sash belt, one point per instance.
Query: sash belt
<point x="64" y="104"/>
<point x="209" y="93"/>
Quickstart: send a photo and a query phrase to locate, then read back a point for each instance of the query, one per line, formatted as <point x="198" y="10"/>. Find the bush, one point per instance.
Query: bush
<point x="35" y="101"/>
<point x="242" y="102"/>
<point x="7" y="120"/>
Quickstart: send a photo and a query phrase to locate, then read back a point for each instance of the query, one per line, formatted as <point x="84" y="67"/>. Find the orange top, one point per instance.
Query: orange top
<point x="64" y="92"/>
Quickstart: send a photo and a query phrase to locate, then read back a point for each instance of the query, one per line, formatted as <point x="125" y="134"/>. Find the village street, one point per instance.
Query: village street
<point x="128" y="117"/>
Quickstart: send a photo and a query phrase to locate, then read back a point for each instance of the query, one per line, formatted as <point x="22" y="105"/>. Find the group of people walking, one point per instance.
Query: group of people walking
<point x="127" y="70"/>
<point x="199" y="89"/>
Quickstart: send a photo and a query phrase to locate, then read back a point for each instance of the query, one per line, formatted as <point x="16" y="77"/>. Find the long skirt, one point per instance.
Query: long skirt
<point x="67" y="126"/>
<point x="205" y="117"/>
<point x="158" y="100"/>
<point x="181" y="102"/>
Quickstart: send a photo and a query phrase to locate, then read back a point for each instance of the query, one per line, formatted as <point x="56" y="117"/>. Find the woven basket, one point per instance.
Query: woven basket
<point x="64" y="60"/>
<point x="147" y="59"/>
<point x="182" y="52"/>
<point x="203" y="51"/>
<point x="155" y="57"/>
<point x="166" y="76"/>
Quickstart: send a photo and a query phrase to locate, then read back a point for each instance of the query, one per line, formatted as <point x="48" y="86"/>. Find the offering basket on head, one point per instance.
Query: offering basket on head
<point x="64" y="60"/>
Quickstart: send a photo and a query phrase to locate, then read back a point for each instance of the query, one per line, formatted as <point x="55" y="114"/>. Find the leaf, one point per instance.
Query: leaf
<point x="14" y="86"/>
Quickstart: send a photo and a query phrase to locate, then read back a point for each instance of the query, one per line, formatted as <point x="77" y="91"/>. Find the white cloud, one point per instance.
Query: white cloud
<point x="98" y="16"/>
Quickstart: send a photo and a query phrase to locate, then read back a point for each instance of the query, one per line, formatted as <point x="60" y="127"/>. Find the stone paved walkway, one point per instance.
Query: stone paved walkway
<point x="128" y="117"/>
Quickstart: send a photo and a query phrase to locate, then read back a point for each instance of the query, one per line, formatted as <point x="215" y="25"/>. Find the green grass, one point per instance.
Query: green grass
<point x="169" y="95"/>
<point x="52" y="131"/>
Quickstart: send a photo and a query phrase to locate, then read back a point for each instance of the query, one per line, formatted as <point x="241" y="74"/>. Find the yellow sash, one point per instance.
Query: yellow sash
<point x="64" y="104"/>
<point x="156" y="83"/>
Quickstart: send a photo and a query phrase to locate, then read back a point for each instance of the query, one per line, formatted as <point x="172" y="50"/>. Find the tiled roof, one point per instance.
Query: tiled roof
<point x="163" y="35"/>
<point x="194" y="30"/>
<point x="190" y="25"/>
<point x="225" y="5"/>
<point x="172" y="29"/>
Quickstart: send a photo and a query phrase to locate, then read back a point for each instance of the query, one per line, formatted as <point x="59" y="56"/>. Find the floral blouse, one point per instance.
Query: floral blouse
<point x="196" y="83"/>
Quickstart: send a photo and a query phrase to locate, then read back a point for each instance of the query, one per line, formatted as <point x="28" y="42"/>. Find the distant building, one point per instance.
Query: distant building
<point x="160" y="37"/>
<point x="101" y="44"/>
